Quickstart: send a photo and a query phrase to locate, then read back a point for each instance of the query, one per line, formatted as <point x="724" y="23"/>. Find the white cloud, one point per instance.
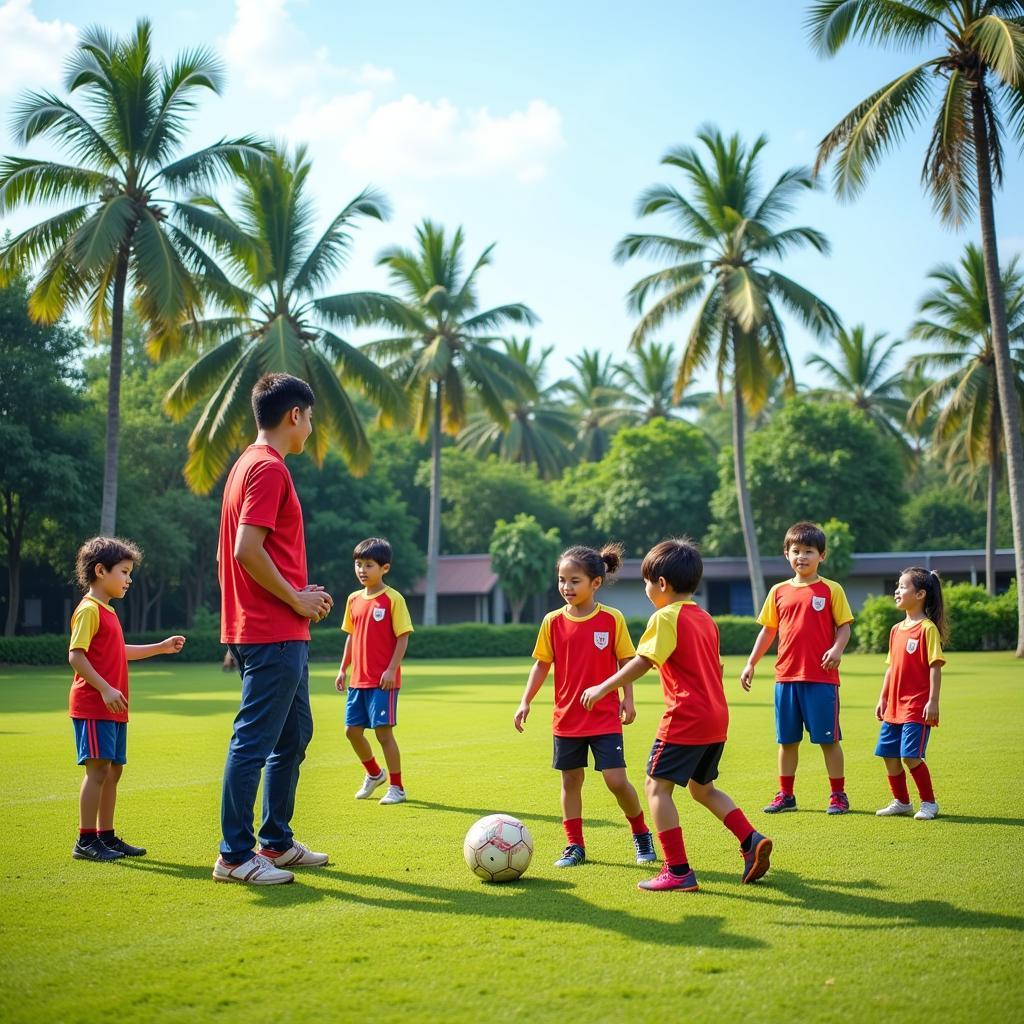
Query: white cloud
<point x="32" y="52"/>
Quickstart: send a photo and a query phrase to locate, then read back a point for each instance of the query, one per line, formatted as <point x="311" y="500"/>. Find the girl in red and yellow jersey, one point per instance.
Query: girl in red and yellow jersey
<point x="908" y="706"/>
<point x="587" y="642"/>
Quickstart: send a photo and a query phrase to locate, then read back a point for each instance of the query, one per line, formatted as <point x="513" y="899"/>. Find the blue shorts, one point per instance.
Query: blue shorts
<point x="814" y="706"/>
<point x="904" y="739"/>
<point x="100" y="740"/>
<point x="371" y="708"/>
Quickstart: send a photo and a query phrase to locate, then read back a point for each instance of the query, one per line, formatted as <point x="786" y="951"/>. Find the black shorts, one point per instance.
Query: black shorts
<point x="571" y="752"/>
<point x="679" y="762"/>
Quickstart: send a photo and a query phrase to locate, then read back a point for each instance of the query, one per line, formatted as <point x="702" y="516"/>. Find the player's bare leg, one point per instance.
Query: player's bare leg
<point x="572" y="793"/>
<point x="393" y="759"/>
<point x="835" y="766"/>
<point x="755" y="847"/>
<point x="789" y="758"/>
<point x="622" y="789"/>
<point x="96" y="772"/>
<point x="108" y="797"/>
<point x="355" y="734"/>
<point x="718" y="803"/>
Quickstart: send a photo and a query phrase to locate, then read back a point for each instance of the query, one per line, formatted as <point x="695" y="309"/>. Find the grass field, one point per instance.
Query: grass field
<point x="859" y="919"/>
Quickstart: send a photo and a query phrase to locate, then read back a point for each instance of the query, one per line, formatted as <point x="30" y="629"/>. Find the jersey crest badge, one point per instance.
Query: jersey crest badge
<point x="911" y="646"/>
<point x="601" y="640"/>
<point x="379" y="613"/>
<point x="818" y="603"/>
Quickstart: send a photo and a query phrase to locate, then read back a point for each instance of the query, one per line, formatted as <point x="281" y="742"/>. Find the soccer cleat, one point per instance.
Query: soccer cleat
<point x="782" y="802"/>
<point x="666" y="880"/>
<point x="370" y="783"/>
<point x="117" y="843"/>
<point x="394" y="795"/>
<point x="756" y="859"/>
<point x="298" y="856"/>
<point x="95" y="851"/>
<point x="838" y="803"/>
<point x="895" y="808"/>
<point x="572" y="857"/>
<point x="928" y="811"/>
<point x="644" y="843"/>
<point x="256" y="870"/>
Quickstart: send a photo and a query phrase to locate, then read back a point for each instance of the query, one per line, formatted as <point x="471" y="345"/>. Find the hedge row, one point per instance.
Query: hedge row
<point x="469" y="640"/>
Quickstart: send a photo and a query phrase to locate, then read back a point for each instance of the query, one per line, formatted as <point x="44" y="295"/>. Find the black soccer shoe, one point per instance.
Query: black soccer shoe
<point x="95" y="851"/>
<point x="117" y="843"/>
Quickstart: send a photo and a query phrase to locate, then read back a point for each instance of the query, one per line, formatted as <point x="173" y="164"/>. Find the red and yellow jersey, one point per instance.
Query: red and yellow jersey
<point x="585" y="651"/>
<point x="376" y="622"/>
<point x="806" y="616"/>
<point x="96" y="629"/>
<point x="682" y="640"/>
<point x="913" y="648"/>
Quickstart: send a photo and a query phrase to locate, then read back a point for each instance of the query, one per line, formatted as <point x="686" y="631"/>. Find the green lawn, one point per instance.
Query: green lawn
<point x="859" y="917"/>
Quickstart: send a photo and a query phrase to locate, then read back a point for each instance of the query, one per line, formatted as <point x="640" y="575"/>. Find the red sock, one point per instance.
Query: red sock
<point x="736" y="822"/>
<point x="396" y="779"/>
<point x="86" y="832"/>
<point x="372" y="768"/>
<point x="786" y="784"/>
<point x="898" y="785"/>
<point x="838" y="785"/>
<point x="637" y="824"/>
<point x="923" y="781"/>
<point x="574" y="831"/>
<point x="673" y="846"/>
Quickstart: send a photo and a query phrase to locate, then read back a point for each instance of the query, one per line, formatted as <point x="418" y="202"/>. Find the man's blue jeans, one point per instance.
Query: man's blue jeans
<point x="272" y="729"/>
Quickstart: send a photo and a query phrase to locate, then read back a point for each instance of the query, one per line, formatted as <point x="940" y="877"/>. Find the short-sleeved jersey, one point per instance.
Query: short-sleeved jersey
<point x="913" y="648"/>
<point x="585" y="651"/>
<point x="96" y="629"/>
<point x="682" y="640"/>
<point x="375" y="622"/>
<point x="806" y="616"/>
<point x="259" y="492"/>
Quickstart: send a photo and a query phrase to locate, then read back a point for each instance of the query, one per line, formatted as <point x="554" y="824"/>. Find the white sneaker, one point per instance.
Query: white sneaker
<point x="256" y="870"/>
<point x="928" y="811"/>
<point x="394" y="795"/>
<point x="896" y="807"/>
<point x="370" y="783"/>
<point x="298" y="856"/>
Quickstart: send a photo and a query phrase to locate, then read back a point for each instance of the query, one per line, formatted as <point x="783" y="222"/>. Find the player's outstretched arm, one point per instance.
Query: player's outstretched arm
<point x="138" y="652"/>
<point x="761" y="644"/>
<point x="534" y="682"/>
<point x="629" y="673"/>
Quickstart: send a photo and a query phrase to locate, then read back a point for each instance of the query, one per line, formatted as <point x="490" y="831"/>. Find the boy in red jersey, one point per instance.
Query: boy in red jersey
<point x="98" y="702"/>
<point x="378" y="626"/>
<point x="812" y="617"/>
<point x="682" y="640"/>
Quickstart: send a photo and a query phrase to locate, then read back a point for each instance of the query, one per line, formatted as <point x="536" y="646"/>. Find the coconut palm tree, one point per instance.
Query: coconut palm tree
<point x="973" y="85"/>
<point x="595" y="397"/>
<point x="541" y="429"/>
<point x="276" y="320"/>
<point x="956" y="317"/>
<point x="860" y="376"/>
<point x="649" y="376"/>
<point x="444" y="354"/>
<point x="123" y="232"/>
<point x="727" y="232"/>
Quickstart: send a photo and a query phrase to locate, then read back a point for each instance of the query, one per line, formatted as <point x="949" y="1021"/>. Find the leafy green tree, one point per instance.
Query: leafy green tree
<point x="964" y="402"/>
<point x="840" y="549"/>
<point x="940" y="519"/>
<point x="444" y="354"/>
<point x="276" y="320"/>
<point x="649" y="376"/>
<point x="523" y="555"/>
<point x="718" y="261"/>
<point x="594" y="392"/>
<point x="977" y="68"/>
<point x="125" y="231"/>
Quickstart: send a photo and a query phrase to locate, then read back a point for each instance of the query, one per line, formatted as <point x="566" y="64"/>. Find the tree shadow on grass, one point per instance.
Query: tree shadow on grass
<point x="972" y="819"/>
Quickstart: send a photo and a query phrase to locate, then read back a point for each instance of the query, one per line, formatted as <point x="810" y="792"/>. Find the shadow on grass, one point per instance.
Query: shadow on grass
<point x="482" y="812"/>
<point x="971" y="819"/>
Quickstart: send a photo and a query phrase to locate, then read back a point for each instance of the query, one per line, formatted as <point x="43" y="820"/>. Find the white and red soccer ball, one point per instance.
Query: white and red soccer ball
<point x="498" y="848"/>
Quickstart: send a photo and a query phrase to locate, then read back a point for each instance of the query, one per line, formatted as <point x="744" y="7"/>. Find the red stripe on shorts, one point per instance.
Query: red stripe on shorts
<point x="90" y="732"/>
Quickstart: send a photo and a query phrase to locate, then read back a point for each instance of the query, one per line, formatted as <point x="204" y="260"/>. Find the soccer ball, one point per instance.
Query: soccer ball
<point x="498" y="848"/>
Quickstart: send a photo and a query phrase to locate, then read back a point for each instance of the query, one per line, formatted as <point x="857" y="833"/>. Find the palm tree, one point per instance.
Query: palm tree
<point x="540" y="428"/>
<point x="956" y="316"/>
<point x="121" y="234"/>
<point x="275" y="320"/>
<point x="650" y="379"/>
<point x="727" y="232"/>
<point x="860" y="376"/>
<point x="444" y="352"/>
<point x="595" y="396"/>
<point x="979" y="68"/>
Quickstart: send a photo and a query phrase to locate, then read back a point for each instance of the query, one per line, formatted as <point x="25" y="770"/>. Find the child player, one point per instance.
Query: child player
<point x="378" y="626"/>
<point x="812" y="618"/>
<point x="98" y="702"/>
<point x="682" y="640"/>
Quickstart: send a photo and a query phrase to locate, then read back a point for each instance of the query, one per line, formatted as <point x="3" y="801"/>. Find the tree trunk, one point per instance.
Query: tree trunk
<point x="108" y="510"/>
<point x="434" y="523"/>
<point x="516" y="608"/>
<point x="757" y="587"/>
<point x="992" y="497"/>
<point x="1001" y="349"/>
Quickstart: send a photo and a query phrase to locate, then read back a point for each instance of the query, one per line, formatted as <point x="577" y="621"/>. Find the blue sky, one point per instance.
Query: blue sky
<point x="536" y="126"/>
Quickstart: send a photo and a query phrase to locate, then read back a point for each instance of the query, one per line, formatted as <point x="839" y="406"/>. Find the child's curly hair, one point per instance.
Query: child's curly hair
<point x="105" y="551"/>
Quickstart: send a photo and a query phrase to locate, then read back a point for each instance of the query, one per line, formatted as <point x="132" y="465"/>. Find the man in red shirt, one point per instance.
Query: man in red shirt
<point x="266" y="607"/>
